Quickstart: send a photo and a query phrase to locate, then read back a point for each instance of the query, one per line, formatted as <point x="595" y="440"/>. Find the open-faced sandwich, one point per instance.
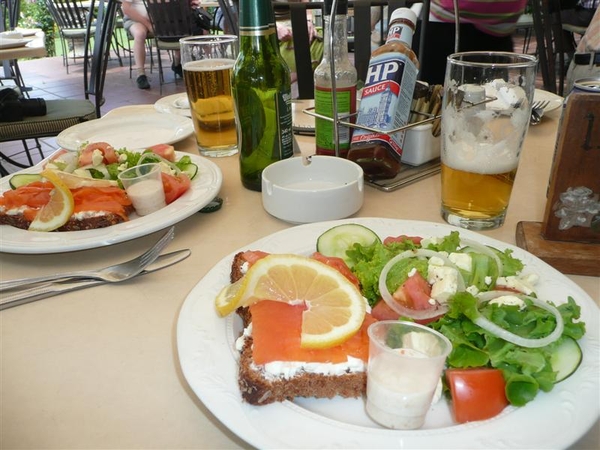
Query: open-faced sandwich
<point x="80" y="190"/>
<point x="306" y="317"/>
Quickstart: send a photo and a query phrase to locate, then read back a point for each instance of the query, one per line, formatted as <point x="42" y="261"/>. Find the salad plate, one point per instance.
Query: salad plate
<point x="203" y="190"/>
<point x="207" y="354"/>
<point x="174" y="104"/>
<point x="137" y="131"/>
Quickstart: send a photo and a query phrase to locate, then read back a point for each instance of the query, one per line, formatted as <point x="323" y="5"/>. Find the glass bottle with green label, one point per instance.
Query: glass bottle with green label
<point x="262" y="93"/>
<point x="345" y="77"/>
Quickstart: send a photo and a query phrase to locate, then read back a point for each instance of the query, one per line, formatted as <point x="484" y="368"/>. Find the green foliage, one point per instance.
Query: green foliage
<point x="34" y="14"/>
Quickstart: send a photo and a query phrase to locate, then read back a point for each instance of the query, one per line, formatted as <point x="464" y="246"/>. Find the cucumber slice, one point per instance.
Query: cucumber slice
<point x="337" y="240"/>
<point x="191" y="170"/>
<point x="22" y="179"/>
<point x="565" y="358"/>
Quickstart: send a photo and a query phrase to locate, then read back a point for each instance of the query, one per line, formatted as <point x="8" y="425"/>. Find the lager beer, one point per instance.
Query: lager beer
<point x="207" y="68"/>
<point x="485" y="116"/>
<point x="208" y="84"/>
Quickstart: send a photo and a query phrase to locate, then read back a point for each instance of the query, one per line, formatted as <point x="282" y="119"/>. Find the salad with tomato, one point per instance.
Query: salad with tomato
<point x="100" y="161"/>
<point x="508" y="344"/>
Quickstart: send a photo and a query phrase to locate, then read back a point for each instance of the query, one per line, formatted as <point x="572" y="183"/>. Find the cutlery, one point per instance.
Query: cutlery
<point x="537" y="111"/>
<point x="53" y="288"/>
<point x="111" y="274"/>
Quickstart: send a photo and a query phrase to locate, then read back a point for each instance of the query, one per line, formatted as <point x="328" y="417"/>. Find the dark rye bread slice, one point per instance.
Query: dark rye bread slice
<point x="106" y="219"/>
<point x="258" y="388"/>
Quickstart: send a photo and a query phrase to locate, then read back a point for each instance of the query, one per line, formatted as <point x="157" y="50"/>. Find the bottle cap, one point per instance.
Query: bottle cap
<point x="342" y="7"/>
<point x="404" y="13"/>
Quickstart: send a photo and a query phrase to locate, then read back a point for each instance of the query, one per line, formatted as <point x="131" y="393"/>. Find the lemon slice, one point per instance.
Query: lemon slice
<point x="336" y="308"/>
<point x="58" y="210"/>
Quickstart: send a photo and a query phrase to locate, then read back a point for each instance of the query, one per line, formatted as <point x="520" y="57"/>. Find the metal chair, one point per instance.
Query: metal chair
<point x="171" y="20"/>
<point x="62" y="114"/>
<point x="71" y="17"/>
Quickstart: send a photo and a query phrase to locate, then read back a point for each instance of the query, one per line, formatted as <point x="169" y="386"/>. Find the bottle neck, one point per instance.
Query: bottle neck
<point x="401" y="30"/>
<point x="256" y="18"/>
<point x="340" y="38"/>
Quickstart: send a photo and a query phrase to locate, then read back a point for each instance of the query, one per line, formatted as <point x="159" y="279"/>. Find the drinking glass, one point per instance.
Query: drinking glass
<point x="485" y="116"/>
<point x="405" y="366"/>
<point x="144" y="187"/>
<point x="207" y="66"/>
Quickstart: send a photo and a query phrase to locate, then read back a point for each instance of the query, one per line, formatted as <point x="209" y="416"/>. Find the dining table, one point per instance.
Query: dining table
<point x="36" y="48"/>
<point x="99" y="368"/>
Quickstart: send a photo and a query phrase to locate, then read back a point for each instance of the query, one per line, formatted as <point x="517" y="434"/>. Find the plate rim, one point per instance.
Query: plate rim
<point x="241" y="419"/>
<point x="65" y="139"/>
<point x="201" y="192"/>
<point x="554" y="99"/>
<point x="19" y="42"/>
<point x="162" y="105"/>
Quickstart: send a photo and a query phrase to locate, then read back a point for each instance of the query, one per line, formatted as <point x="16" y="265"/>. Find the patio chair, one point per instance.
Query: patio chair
<point x="62" y="114"/>
<point x="71" y="17"/>
<point x="171" y="20"/>
<point x="9" y="18"/>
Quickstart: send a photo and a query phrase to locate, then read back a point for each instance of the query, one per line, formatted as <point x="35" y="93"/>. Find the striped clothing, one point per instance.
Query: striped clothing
<point x="496" y="17"/>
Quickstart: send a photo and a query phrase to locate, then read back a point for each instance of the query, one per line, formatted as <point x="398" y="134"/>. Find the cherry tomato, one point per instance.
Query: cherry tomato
<point x="477" y="394"/>
<point x="164" y="150"/>
<point x="174" y="186"/>
<point x="338" y="264"/>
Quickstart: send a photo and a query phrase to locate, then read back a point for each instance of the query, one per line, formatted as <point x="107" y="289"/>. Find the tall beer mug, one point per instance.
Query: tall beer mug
<point x="485" y="116"/>
<point x="207" y="67"/>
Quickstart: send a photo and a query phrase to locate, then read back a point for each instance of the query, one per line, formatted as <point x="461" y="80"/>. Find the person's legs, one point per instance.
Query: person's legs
<point x="139" y="33"/>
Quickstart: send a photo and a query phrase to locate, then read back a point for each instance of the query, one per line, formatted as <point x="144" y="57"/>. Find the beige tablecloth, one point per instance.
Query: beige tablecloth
<point x="98" y="368"/>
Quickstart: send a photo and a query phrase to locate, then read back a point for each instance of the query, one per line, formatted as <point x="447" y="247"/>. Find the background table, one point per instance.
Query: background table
<point x="98" y="368"/>
<point x="34" y="49"/>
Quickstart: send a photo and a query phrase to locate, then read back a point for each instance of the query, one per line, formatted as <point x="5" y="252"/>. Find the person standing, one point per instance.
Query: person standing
<point x="484" y="25"/>
<point x="137" y="23"/>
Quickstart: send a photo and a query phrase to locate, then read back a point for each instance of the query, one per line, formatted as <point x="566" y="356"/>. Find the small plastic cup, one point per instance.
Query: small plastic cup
<point x="405" y="365"/>
<point x="144" y="187"/>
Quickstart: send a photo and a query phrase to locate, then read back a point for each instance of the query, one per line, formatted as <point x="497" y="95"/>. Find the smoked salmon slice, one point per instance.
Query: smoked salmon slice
<point x="33" y="196"/>
<point x="276" y="328"/>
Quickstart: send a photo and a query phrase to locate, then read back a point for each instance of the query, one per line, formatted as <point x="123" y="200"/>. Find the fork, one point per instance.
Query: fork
<point x="537" y="111"/>
<point x="110" y="274"/>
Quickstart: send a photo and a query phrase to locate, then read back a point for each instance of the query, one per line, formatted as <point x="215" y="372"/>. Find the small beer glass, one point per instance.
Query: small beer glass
<point x="207" y="66"/>
<point x="485" y="116"/>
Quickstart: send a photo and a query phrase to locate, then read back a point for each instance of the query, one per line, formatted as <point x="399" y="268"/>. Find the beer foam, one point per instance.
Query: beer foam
<point x="483" y="140"/>
<point x="206" y="65"/>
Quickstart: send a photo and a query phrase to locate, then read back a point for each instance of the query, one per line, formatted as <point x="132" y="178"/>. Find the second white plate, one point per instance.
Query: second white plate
<point x="174" y="104"/>
<point x="555" y="100"/>
<point x="132" y="132"/>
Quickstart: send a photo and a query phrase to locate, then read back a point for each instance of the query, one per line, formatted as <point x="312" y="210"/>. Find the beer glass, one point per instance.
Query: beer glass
<point x="207" y="66"/>
<point x="485" y="116"/>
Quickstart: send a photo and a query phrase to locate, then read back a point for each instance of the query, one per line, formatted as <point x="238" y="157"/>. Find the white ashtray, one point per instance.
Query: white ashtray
<point x="420" y="146"/>
<point x="328" y="188"/>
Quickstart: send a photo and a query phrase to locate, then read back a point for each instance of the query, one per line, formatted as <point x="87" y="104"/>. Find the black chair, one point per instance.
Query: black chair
<point x="230" y="21"/>
<point x="71" y="17"/>
<point x="9" y="18"/>
<point x="548" y="34"/>
<point x="62" y="114"/>
<point x="171" y="20"/>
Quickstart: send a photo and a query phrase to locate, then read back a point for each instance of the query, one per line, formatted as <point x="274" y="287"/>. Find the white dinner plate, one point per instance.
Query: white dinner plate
<point x="132" y="132"/>
<point x="206" y="347"/>
<point x="13" y="43"/>
<point x="28" y="31"/>
<point x="301" y="122"/>
<point x="174" y="104"/>
<point x="203" y="189"/>
<point x="556" y="101"/>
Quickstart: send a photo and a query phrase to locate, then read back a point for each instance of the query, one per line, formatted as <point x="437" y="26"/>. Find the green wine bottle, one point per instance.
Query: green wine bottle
<point x="262" y="93"/>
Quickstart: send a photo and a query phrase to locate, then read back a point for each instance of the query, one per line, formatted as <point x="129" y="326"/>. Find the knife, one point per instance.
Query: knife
<point x="52" y="288"/>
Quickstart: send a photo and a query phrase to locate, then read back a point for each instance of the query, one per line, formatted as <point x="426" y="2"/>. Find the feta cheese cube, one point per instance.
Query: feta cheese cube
<point x="461" y="260"/>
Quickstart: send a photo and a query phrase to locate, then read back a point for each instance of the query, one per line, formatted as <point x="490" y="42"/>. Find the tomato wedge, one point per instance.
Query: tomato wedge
<point x="174" y="187"/>
<point x="477" y="394"/>
<point x="416" y="239"/>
